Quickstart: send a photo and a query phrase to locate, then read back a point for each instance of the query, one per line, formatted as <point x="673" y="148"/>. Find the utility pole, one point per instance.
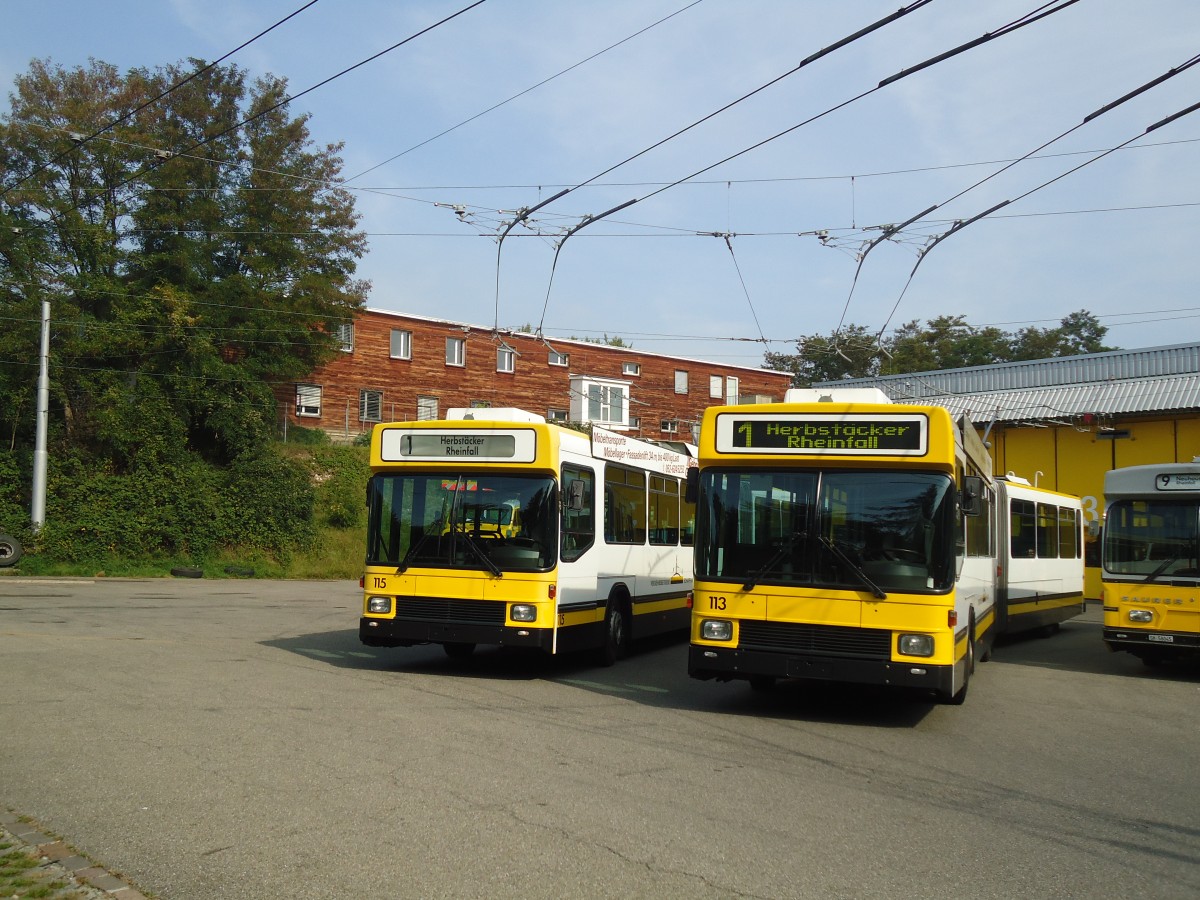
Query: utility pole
<point x="43" y="419"/>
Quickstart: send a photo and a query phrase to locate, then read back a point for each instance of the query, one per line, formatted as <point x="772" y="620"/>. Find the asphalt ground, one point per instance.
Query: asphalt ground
<point x="232" y="739"/>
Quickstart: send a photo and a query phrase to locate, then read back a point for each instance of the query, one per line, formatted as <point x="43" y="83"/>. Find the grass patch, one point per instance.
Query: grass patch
<point x="21" y="876"/>
<point x="336" y="553"/>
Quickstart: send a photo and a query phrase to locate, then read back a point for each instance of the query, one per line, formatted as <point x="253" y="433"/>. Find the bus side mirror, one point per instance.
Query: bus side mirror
<point x="575" y="492"/>
<point x="971" y="496"/>
<point x="691" y="489"/>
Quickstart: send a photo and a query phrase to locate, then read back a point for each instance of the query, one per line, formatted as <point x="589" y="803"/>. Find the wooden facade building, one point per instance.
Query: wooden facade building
<point x="401" y="367"/>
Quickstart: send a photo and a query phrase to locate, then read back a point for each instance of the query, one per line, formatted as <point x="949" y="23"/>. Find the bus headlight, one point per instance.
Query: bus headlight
<point x="716" y="630"/>
<point x="523" y="612"/>
<point x="916" y="645"/>
<point x="1141" y="615"/>
<point x="379" y="604"/>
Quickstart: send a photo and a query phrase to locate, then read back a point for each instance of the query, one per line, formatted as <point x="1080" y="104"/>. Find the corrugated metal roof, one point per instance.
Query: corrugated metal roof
<point x="1087" y="368"/>
<point x="1158" y="379"/>
<point x="1069" y="402"/>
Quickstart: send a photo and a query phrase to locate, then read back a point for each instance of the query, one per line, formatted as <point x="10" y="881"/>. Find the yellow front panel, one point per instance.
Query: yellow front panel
<point x="1174" y="609"/>
<point x="818" y="609"/>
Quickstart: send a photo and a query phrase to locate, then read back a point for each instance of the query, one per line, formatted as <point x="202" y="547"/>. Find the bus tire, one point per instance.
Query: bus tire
<point x="10" y="550"/>
<point x="458" y="649"/>
<point x="616" y="632"/>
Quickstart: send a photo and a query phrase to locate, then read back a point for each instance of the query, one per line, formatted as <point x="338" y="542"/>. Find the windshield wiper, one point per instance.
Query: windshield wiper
<point x="436" y="526"/>
<point x="1160" y="568"/>
<point x="784" y="549"/>
<point x="844" y="558"/>
<point x="487" y="560"/>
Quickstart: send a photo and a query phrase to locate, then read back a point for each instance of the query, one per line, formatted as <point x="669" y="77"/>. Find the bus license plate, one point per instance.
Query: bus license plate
<point x="1161" y="638"/>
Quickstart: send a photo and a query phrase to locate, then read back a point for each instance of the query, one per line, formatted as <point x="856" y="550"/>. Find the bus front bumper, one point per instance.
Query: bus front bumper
<point x="1165" y="642"/>
<point x="728" y="663"/>
<point x="407" y="632"/>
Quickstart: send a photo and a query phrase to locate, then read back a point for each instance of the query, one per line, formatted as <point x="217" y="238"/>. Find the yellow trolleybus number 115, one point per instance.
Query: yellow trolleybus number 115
<point x="513" y="531"/>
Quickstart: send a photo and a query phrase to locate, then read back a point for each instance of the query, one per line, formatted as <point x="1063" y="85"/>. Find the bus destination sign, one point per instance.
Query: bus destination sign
<point x="1177" y="481"/>
<point x="824" y="434"/>
<point x="428" y="445"/>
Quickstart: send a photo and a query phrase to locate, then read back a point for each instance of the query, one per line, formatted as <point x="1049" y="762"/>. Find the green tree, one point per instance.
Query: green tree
<point x="944" y="342"/>
<point x="851" y="352"/>
<point x="189" y="259"/>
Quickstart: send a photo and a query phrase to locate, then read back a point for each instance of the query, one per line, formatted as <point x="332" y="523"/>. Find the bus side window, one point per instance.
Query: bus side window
<point x="578" y="515"/>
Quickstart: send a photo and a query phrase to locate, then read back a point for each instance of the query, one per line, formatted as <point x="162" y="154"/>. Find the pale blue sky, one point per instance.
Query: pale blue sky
<point x="1115" y="238"/>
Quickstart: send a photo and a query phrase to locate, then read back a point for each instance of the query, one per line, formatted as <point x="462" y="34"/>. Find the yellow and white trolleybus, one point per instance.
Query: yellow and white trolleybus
<point x="1150" y="561"/>
<point x="1039" y="557"/>
<point x="843" y="540"/>
<point x="496" y="527"/>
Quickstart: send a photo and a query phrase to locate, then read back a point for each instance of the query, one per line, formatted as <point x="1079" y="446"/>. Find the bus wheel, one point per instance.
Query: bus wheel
<point x="762" y="683"/>
<point x="458" y="649"/>
<point x="616" y="633"/>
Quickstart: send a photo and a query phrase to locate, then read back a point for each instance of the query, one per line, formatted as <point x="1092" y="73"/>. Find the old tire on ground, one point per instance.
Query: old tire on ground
<point x="187" y="572"/>
<point x="10" y="550"/>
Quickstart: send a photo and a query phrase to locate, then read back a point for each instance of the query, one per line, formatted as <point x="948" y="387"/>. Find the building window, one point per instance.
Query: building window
<point x="370" y="406"/>
<point x="345" y="336"/>
<point x="631" y="368"/>
<point x="635" y="421"/>
<point x="427" y="409"/>
<point x="481" y="404"/>
<point x="559" y="359"/>
<point x="556" y="415"/>
<point x="602" y="401"/>
<point x="506" y="359"/>
<point x="456" y="351"/>
<point x="731" y="390"/>
<point x="401" y="344"/>
<point x="669" y="426"/>
<point x="308" y="400"/>
<point x="606" y="404"/>
<point x="681" y="378"/>
<point x="716" y="388"/>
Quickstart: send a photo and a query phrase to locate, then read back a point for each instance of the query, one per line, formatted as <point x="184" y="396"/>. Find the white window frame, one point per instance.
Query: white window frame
<point x="404" y="337"/>
<point x="344" y="331"/>
<point x="427" y="409"/>
<point x="557" y="415"/>
<point x="456" y="351"/>
<point x="669" y="426"/>
<point x="506" y="359"/>
<point x="732" y="387"/>
<point x="308" y="401"/>
<point x="603" y="401"/>
<point x="716" y="387"/>
<point x="681" y="381"/>
<point x="631" y="368"/>
<point x="370" y="401"/>
<point x="559" y="359"/>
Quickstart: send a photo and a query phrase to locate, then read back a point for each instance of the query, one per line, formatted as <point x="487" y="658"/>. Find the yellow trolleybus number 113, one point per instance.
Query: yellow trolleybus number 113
<point x="855" y="540"/>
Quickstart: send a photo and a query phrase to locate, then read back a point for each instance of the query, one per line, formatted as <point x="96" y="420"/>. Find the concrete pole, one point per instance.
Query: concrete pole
<point x="38" y="516"/>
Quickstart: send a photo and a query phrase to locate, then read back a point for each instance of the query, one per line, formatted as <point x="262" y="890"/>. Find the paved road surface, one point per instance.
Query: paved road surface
<point x="234" y="740"/>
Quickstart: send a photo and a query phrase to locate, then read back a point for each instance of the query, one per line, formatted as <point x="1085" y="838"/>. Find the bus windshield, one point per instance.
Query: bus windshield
<point x="1152" y="538"/>
<point x="497" y="523"/>
<point x="868" y="531"/>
